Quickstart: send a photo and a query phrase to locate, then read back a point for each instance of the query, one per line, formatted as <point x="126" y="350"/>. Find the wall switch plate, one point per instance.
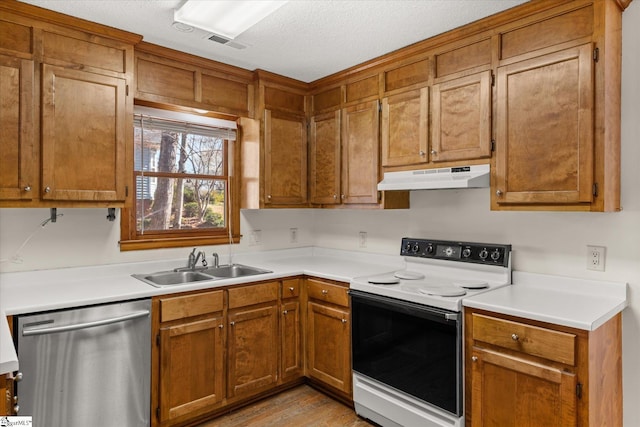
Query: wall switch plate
<point x="293" y="235"/>
<point x="362" y="239"/>
<point x="256" y="238"/>
<point x="596" y="257"/>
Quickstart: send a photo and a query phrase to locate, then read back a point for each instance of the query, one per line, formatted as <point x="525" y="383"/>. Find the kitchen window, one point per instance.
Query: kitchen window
<point x="184" y="182"/>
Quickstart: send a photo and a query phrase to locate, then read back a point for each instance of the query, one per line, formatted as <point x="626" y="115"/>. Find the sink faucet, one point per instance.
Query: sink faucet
<point x="216" y="260"/>
<point x="193" y="259"/>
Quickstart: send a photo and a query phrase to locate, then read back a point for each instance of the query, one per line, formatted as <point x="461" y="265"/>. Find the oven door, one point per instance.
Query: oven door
<point x="410" y="347"/>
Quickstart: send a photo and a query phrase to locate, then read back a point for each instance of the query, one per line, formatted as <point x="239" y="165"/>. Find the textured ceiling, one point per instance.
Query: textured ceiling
<point x="304" y="39"/>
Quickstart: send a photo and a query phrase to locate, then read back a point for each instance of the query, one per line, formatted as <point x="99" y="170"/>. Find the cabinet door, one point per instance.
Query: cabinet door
<point x="461" y="118"/>
<point x="360" y="148"/>
<point x="16" y="129"/>
<point x="405" y="126"/>
<point x="291" y="361"/>
<point x="544" y="151"/>
<point x="83" y="136"/>
<point x="325" y="158"/>
<point x="191" y="368"/>
<point x="285" y="158"/>
<point x="511" y="392"/>
<point x="252" y="347"/>
<point x="329" y="346"/>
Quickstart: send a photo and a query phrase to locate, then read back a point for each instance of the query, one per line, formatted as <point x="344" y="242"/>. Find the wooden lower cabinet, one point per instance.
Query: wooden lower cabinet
<point x="328" y="336"/>
<point x="190" y="356"/>
<point x="291" y="365"/>
<point x="526" y="373"/>
<point x="253" y="340"/>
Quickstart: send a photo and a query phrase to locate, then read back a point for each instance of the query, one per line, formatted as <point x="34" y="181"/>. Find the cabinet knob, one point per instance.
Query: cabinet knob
<point x="344" y="320"/>
<point x="434" y="152"/>
<point x="342" y="196"/>
<point x="515" y="337"/>
<point x="422" y="153"/>
<point x="269" y="196"/>
<point x="18" y="377"/>
<point x="325" y="292"/>
<point x="27" y="188"/>
<point x="232" y="323"/>
<point x="221" y="326"/>
<point x="291" y="289"/>
<point x="474" y="359"/>
<point x="335" y="196"/>
<point x="285" y="312"/>
<point x="47" y="189"/>
<point x="499" y="193"/>
<point x="16" y="409"/>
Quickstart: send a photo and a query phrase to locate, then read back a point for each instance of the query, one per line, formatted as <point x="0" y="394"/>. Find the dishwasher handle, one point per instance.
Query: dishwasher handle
<point x="26" y="332"/>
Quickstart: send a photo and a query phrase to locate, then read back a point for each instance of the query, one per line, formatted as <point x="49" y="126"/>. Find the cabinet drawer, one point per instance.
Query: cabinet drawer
<point x="253" y="294"/>
<point x="323" y="291"/>
<point x="290" y="288"/>
<point x="533" y="340"/>
<point x="190" y="305"/>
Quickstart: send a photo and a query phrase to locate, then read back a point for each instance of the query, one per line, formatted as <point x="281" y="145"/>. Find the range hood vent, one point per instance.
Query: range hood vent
<point x="433" y="179"/>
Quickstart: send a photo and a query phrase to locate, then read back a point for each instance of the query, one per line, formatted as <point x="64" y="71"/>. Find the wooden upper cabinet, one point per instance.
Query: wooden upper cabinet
<point x="324" y="158"/>
<point x="544" y="137"/>
<point x="405" y="127"/>
<point x="461" y="118"/>
<point x="84" y="128"/>
<point x="17" y="158"/>
<point x="167" y="76"/>
<point x="285" y="158"/>
<point x="360" y="153"/>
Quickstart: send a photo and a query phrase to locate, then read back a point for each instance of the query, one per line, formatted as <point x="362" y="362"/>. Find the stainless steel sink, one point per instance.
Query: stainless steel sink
<point x="184" y="277"/>
<point x="172" y="278"/>
<point x="234" y="270"/>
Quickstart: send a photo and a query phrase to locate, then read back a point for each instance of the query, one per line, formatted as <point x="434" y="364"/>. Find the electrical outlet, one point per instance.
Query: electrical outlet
<point x="362" y="240"/>
<point x="256" y="238"/>
<point x="293" y="235"/>
<point x="596" y="257"/>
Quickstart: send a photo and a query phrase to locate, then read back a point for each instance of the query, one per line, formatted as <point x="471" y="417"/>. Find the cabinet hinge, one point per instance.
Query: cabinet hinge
<point x="126" y="90"/>
<point x="379" y="108"/>
<point x="579" y="390"/>
<point x="157" y="412"/>
<point x="596" y="54"/>
<point x="493" y="79"/>
<point x="493" y="145"/>
<point x="126" y="191"/>
<point x="595" y="189"/>
<point x="158" y="340"/>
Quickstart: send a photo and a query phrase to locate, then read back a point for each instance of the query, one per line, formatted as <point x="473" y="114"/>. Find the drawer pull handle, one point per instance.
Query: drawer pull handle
<point x="325" y="292"/>
<point x="291" y="289"/>
<point x="232" y="323"/>
<point x="285" y="312"/>
<point x="474" y="359"/>
<point x="220" y="326"/>
<point x="515" y="337"/>
<point x="344" y="320"/>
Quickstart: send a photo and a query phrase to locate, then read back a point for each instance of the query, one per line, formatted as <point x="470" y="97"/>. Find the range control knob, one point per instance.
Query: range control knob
<point x="430" y="249"/>
<point x="483" y="254"/>
<point x="466" y="253"/>
<point x="407" y="247"/>
<point x="495" y="255"/>
<point x="415" y="248"/>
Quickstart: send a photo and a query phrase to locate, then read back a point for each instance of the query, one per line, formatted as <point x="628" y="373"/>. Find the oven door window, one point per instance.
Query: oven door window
<point x="410" y="347"/>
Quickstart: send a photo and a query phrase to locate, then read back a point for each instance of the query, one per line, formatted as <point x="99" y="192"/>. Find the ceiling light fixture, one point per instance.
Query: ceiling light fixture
<point x="225" y="18"/>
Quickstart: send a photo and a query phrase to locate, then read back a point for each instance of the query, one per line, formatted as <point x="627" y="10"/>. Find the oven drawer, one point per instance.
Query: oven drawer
<point x="533" y="340"/>
<point x="323" y="291"/>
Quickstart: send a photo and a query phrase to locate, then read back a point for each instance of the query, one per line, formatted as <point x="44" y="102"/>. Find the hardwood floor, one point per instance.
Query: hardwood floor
<point x="300" y="406"/>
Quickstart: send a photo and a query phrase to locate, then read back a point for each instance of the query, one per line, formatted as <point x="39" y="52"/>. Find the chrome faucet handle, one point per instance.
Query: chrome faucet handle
<point x="216" y="260"/>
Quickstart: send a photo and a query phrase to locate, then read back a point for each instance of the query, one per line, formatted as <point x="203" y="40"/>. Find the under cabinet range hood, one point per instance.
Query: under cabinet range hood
<point x="433" y="179"/>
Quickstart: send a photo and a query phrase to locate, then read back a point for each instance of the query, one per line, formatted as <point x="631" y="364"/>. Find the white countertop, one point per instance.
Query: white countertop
<point x="578" y="303"/>
<point x="35" y="291"/>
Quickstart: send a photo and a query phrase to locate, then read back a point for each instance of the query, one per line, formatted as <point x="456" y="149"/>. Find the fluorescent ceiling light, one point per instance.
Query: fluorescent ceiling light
<point x="225" y="18"/>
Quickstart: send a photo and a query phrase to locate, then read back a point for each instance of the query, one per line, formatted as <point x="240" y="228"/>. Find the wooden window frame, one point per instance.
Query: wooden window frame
<point x="131" y="239"/>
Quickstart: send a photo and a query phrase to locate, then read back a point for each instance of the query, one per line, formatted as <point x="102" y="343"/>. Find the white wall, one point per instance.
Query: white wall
<point x="544" y="242"/>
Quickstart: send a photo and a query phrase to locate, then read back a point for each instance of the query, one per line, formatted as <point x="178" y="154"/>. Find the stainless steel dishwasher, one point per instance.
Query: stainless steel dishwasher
<point x="88" y="366"/>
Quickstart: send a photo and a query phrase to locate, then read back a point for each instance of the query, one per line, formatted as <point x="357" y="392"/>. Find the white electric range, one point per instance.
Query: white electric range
<point x="407" y="331"/>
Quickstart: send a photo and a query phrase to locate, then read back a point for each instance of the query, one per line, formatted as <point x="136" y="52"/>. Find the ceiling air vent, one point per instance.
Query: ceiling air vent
<point x="225" y="41"/>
